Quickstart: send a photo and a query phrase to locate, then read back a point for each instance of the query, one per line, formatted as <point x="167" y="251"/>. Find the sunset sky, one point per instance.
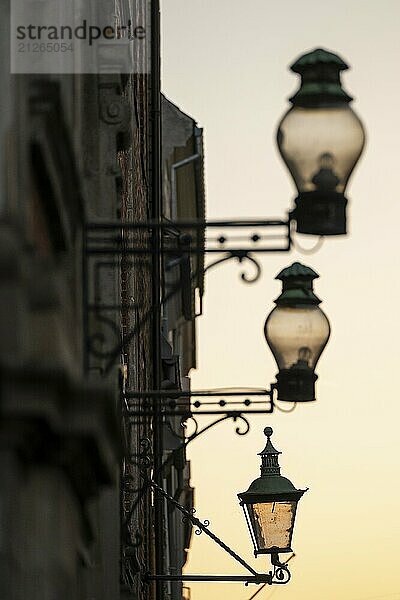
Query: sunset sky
<point x="225" y="63"/>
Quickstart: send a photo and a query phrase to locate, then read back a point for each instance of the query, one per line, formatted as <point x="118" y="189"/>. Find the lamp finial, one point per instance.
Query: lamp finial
<point x="269" y="456"/>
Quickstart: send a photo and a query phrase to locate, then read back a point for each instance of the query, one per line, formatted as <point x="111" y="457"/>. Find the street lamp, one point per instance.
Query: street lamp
<point x="270" y="506"/>
<point x="320" y="139"/>
<point x="297" y="331"/>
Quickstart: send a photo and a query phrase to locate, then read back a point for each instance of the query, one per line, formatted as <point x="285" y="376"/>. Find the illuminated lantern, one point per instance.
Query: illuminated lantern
<point x="270" y="505"/>
<point x="297" y="331"/>
<point x="320" y="139"/>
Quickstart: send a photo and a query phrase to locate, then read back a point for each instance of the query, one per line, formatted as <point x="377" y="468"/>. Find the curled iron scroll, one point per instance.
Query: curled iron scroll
<point x="191" y="517"/>
<point x="184" y="424"/>
<point x="205" y="523"/>
<point x="257" y="274"/>
<point x="100" y="338"/>
<point x="238" y="429"/>
<point x="235" y="416"/>
<point x="240" y="256"/>
<point x="281" y="575"/>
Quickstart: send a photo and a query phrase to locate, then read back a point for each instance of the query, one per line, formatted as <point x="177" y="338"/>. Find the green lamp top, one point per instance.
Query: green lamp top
<point x="317" y="57"/>
<point x="320" y="80"/>
<point x="271" y="485"/>
<point x="297" y="286"/>
<point x="297" y="270"/>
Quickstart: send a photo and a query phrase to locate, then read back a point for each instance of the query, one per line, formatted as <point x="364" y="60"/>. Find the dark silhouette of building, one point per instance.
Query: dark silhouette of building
<point x="78" y="329"/>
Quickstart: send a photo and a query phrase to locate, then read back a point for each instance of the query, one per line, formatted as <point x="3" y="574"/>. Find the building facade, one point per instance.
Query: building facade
<point x="89" y="325"/>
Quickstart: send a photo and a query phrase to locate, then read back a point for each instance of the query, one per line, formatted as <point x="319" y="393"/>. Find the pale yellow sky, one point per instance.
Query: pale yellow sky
<point x="225" y="63"/>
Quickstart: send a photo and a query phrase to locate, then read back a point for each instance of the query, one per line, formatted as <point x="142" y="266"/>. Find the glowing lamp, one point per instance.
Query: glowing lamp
<point x="320" y="139"/>
<point x="270" y="505"/>
<point x="297" y="331"/>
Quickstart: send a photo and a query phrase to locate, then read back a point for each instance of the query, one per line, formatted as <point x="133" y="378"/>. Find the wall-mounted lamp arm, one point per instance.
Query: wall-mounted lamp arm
<point x="231" y="408"/>
<point x="280" y="575"/>
<point x="266" y="578"/>
<point x="202" y="527"/>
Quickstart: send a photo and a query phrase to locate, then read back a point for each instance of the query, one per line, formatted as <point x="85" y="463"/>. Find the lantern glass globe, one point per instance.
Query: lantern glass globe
<point x="321" y="146"/>
<point x="320" y="139"/>
<point x="297" y="335"/>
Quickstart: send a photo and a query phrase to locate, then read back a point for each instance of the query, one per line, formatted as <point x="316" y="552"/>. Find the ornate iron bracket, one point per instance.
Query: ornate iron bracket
<point x="143" y="459"/>
<point x="106" y="238"/>
<point x="235" y="416"/>
<point x="230" y="408"/>
<point x="111" y="355"/>
<point x="280" y="575"/>
<point x="105" y="243"/>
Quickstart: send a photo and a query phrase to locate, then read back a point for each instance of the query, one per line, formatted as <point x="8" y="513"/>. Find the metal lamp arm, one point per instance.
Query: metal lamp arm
<point x="202" y="527"/>
<point x="280" y="574"/>
<point x="266" y="578"/>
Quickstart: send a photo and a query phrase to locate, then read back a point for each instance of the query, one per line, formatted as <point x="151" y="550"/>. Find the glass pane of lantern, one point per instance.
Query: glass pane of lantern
<point x="273" y="524"/>
<point x="321" y="146"/>
<point x="297" y="335"/>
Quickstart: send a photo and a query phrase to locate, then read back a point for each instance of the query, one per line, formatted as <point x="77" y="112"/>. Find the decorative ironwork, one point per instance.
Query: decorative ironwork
<point x="198" y="432"/>
<point x="240" y="256"/>
<point x="246" y="579"/>
<point x="105" y="245"/>
<point x="274" y="576"/>
<point x="97" y="340"/>
<point x="103" y="241"/>
<point x="143" y="459"/>
<point x="113" y="353"/>
<point x="203" y="527"/>
<point x="261" y="236"/>
<point x="230" y="408"/>
<point x="234" y="416"/>
<point x="279" y="576"/>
